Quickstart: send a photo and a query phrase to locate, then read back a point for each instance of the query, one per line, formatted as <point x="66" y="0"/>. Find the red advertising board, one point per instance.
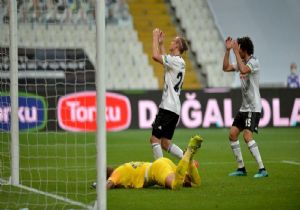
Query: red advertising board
<point x="77" y="111"/>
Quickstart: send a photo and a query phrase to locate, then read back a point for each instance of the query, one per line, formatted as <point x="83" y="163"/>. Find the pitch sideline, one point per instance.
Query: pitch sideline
<point x="291" y="162"/>
<point x="57" y="197"/>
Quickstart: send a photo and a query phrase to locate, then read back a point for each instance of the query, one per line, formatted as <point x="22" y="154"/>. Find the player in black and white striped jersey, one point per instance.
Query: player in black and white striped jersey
<point x="169" y="109"/>
<point x="248" y="117"/>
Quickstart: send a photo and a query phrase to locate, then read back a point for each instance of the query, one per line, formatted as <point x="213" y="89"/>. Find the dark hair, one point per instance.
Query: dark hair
<point x="246" y="44"/>
<point x="182" y="45"/>
<point x="109" y="171"/>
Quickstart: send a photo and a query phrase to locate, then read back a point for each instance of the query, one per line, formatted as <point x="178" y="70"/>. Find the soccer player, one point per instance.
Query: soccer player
<point x="247" y="118"/>
<point x="161" y="172"/>
<point x="169" y="109"/>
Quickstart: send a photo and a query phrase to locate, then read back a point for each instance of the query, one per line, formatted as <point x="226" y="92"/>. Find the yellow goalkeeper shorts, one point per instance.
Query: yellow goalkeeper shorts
<point x="160" y="170"/>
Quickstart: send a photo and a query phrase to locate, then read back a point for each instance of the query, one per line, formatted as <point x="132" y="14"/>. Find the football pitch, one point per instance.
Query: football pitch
<point x="64" y="164"/>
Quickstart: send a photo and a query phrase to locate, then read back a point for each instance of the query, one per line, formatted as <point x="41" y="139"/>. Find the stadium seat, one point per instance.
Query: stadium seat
<point x="198" y="22"/>
<point x="125" y="60"/>
<point x="147" y="15"/>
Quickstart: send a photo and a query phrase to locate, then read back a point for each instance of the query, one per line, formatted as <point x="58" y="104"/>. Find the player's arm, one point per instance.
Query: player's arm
<point x="109" y="184"/>
<point x="114" y="180"/>
<point x="194" y="174"/>
<point x="156" y="48"/>
<point x="244" y="69"/>
<point x="161" y="43"/>
<point x="227" y="67"/>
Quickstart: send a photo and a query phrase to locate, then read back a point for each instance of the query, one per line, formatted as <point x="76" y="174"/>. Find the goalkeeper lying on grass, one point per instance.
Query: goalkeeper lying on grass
<point x="161" y="172"/>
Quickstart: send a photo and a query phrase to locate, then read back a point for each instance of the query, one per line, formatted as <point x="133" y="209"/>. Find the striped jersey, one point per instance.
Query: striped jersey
<point x="251" y="101"/>
<point x="174" y="67"/>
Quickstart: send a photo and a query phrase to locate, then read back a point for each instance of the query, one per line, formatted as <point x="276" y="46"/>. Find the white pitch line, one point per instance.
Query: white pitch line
<point x="232" y="162"/>
<point x="42" y="168"/>
<point x="67" y="200"/>
<point x="215" y="163"/>
<point x="291" y="162"/>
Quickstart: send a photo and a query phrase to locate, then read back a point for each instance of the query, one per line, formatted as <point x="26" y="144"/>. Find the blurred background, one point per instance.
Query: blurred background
<point x="57" y="99"/>
<point x="69" y="24"/>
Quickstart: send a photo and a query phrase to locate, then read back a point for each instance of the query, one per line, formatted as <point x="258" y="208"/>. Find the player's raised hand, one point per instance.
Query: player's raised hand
<point x="235" y="45"/>
<point x="161" y="37"/>
<point x="156" y="32"/>
<point x="228" y="43"/>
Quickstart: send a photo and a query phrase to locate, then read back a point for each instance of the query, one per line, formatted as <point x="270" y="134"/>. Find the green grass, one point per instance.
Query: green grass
<point x="64" y="164"/>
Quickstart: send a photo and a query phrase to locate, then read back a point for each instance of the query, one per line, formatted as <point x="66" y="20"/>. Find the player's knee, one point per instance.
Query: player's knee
<point x="165" y="144"/>
<point x="233" y="134"/>
<point x="154" y="140"/>
<point x="247" y="136"/>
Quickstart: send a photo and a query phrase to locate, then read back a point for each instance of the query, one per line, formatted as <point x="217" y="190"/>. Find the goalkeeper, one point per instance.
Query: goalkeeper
<point x="161" y="172"/>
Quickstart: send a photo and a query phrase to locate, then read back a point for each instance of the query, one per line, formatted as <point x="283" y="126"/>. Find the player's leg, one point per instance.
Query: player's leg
<point x="250" y="127"/>
<point x="234" y="132"/>
<point x="171" y="148"/>
<point x="193" y="173"/>
<point x="169" y="126"/>
<point x="156" y="147"/>
<point x="161" y="172"/>
<point x="183" y="165"/>
<point x="253" y="147"/>
<point x="156" y="135"/>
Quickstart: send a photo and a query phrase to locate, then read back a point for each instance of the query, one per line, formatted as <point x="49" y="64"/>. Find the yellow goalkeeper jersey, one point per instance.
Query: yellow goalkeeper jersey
<point x="130" y="175"/>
